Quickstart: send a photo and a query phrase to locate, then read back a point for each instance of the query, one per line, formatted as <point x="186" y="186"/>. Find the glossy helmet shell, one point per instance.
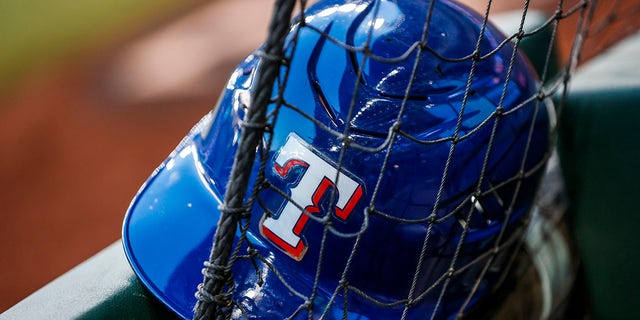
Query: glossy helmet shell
<point x="443" y="135"/>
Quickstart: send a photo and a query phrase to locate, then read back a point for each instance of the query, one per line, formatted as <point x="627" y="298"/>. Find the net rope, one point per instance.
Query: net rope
<point x="215" y="294"/>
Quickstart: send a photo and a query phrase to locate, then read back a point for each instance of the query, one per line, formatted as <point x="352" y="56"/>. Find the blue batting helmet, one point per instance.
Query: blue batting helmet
<point x="417" y="215"/>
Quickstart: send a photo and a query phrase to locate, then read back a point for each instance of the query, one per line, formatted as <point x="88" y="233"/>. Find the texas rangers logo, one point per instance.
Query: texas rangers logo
<point x="317" y="179"/>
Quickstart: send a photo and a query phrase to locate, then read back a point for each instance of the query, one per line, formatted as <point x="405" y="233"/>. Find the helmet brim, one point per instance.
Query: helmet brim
<point x="169" y="227"/>
<point x="168" y="233"/>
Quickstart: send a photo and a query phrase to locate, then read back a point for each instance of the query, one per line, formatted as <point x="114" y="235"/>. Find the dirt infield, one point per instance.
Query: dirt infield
<point x="78" y="142"/>
<point x="69" y="168"/>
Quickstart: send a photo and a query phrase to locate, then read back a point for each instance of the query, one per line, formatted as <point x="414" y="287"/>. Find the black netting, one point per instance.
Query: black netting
<point x="377" y="139"/>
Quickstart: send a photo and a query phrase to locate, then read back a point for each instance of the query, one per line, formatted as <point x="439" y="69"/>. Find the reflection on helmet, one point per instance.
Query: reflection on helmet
<point x="418" y="221"/>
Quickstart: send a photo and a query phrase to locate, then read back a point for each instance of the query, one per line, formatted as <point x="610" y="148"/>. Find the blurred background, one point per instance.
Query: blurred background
<point x="93" y="96"/>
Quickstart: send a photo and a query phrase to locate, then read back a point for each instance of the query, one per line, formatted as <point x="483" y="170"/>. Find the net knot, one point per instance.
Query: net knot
<point x="366" y="50"/>
<point x="252" y="252"/>
<point x="237" y="211"/>
<point x="558" y="14"/>
<point x="450" y="272"/>
<point x="216" y="271"/>
<point x="584" y="4"/>
<point x="221" y="299"/>
<point x="253" y="125"/>
<point x="423" y="45"/>
<point x="267" y="56"/>
<point x="395" y="127"/>
<point x="476" y="56"/>
<point x="371" y="210"/>
<point x="455" y="139"/>
<point x="202" y="294"/>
